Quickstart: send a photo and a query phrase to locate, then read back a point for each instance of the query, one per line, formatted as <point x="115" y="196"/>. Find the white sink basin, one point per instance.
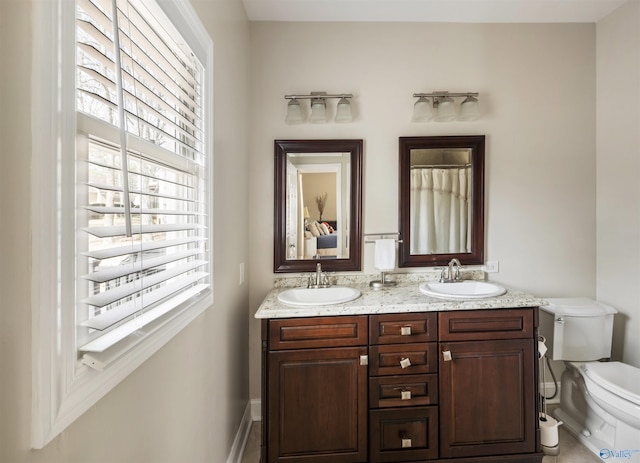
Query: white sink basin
<point x="467" y="289"/>
<point x="303" y="297"/>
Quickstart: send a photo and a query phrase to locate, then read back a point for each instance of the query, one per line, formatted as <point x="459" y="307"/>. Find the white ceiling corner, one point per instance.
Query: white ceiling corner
<point x="470" y="11"/>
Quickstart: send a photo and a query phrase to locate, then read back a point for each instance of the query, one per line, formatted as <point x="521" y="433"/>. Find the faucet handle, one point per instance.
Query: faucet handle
<point x="442" y="274"/>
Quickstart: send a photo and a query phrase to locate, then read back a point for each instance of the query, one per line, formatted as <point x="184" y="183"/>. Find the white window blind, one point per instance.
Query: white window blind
<point x="142" y="240"/>
<point x="120" y="195"/>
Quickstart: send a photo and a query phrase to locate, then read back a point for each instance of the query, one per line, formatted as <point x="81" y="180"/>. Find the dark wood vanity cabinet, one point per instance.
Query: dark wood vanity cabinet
<point x="316" y="390"/>
<point x="456" y="387"/>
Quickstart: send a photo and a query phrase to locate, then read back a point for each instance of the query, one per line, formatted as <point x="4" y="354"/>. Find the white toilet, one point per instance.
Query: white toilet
<point x="599" y="401"/>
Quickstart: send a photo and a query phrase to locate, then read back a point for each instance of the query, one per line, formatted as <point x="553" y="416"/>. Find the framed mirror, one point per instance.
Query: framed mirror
<point x="441" y="200"/>
<point x="318" y="205"/>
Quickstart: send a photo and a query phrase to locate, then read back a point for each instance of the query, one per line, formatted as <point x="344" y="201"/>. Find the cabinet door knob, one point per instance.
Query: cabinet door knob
<point x="405" y="363"/>
<point x="446" y="355"/>
<point x="405" y="330"/>
<point x="364" y="360"/>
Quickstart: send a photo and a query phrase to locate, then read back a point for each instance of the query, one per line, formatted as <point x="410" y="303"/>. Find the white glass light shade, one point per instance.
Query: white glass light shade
<point x="422" y="110"/>
<point x="446" y="110"/>
<point x="294" y="112"/>
<point x="469" y="109"/>
<point x="318" y="111"/>
<point x="343" y="111"/>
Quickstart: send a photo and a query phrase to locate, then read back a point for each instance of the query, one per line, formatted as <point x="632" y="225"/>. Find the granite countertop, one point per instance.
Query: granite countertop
<point x="403" y="298"/>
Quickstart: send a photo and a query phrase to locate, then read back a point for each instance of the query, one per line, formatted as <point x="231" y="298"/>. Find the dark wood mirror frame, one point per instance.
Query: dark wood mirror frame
<point x="354" y="262"/>
<point x="476" y="144"/>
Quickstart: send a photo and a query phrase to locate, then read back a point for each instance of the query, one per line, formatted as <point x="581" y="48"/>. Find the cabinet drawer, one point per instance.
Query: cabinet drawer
<point x="403" y="328"/>
<point x="403" y="359"/>
<point x="305" y="333"/>
<point x="405" y="434"/>
<point x="478" y="325"/>
<point x="403" y="391"/>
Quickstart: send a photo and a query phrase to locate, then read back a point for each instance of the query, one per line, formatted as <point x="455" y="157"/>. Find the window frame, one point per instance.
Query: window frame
<point x="64" y="388"/>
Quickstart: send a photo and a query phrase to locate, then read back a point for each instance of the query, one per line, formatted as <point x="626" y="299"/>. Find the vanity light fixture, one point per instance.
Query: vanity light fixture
<point x="295" y="113"/>
<point x="444" y="107"/>
<point x="318" y="111"/>
<point x="469" y="109"/>
<point x="343" y="111"/>
<point x="422" y="110"/>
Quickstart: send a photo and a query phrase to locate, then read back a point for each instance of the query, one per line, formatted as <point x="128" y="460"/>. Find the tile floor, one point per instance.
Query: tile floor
<point x="252" y="449"/>
<point x="571" y="451"/>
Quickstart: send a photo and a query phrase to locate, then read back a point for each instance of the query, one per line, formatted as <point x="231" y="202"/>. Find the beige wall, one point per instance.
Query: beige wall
<point x="538" y="96"/>
<point x="315" y="184"/>
<point x="184" y="405"/>
<point x="618" y="179"/>
<point x="537" y="93"/>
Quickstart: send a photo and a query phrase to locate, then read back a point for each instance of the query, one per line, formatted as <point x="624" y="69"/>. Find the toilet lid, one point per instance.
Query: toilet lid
<point x="620" y="378"/>
<point x="576" y="307"/>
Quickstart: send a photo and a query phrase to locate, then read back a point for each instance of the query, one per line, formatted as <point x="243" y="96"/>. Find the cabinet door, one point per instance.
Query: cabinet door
<point x="317" y="406"/>
<point x="487" y="398"/>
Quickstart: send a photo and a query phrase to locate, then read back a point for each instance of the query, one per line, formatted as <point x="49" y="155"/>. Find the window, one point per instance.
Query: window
<point x="122" y="178"/>
<point x="142" y="248"/>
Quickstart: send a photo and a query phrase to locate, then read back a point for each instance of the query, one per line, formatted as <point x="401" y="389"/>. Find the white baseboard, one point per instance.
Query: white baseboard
<point x="256" y="409"/>
<point x="239" y="443"/>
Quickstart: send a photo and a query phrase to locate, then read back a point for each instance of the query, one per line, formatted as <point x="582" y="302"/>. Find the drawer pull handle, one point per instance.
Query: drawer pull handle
<point x="405" y="363"/>
<point x="446" y="355"/>
<point x="406" y="443"/>
<point x="405" y="394"/>
<point x="405" y="330"/>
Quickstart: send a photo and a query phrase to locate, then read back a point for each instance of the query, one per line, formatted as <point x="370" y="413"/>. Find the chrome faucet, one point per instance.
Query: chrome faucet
<point x="448" y="274"/>
<point x="318" y="279"/>
<point x="454" y="263"/>
<point x="318" y="274"/>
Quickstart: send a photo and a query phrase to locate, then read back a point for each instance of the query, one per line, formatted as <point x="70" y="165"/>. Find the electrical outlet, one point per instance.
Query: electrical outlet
<point x="491" y="266"/>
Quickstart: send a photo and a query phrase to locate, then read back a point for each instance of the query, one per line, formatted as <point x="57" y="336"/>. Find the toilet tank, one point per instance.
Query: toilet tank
<point x="577" y="329"/>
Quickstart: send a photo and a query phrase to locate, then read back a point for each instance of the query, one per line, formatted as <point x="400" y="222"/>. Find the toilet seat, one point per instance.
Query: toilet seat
<point x="619" y="378"/>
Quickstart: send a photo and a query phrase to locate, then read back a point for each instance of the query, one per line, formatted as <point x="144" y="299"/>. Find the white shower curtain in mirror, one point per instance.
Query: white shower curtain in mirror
<point x="440" y="210"/>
